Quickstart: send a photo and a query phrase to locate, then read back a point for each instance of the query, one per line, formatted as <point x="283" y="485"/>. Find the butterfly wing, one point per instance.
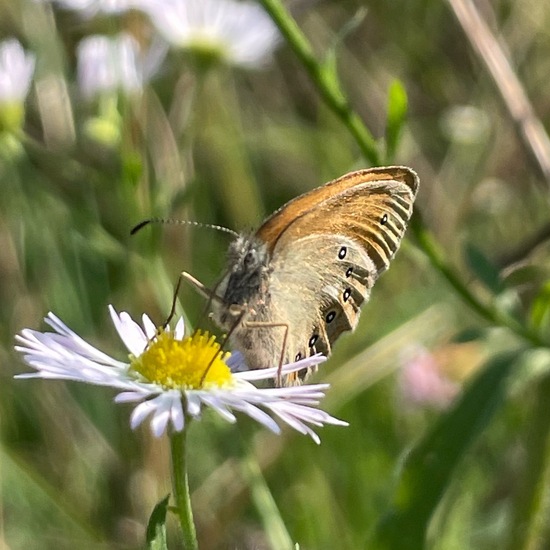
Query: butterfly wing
<point x="328" y="248"/>
<point x="387" y="182"/>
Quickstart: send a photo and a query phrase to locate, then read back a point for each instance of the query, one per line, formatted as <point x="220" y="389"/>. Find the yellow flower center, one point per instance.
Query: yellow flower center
<point x="195" y="362"/>
<point x="205" y="52"/>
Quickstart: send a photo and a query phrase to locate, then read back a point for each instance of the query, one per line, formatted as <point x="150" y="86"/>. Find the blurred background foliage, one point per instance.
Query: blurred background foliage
<point x="448" y="439"/>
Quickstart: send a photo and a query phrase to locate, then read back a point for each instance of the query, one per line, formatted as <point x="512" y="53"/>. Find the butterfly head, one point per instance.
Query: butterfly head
<point x="245" y="282"/>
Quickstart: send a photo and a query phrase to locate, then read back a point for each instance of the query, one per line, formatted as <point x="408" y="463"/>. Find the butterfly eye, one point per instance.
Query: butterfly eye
<point x="313" y="340"/>
<point x="384" y="219"/>
<point x="298" y="356"/>
<point x="330" y="316"/>
<point x="249" y="257"/>
<point x="347" y="294"/>
<point x="349" y="271"/>
<point x="342" y="253"/>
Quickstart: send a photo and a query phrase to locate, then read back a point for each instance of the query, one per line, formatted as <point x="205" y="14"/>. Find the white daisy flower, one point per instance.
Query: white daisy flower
<point x="240" y="33"/>
<point x="90" y="8"/>
<point x="16" y="70"/>
<point x="107" y="64"/>
<point x="172" y="377"/>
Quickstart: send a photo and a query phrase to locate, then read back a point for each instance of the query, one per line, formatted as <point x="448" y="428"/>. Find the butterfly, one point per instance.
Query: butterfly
<point x="295" y="285"/>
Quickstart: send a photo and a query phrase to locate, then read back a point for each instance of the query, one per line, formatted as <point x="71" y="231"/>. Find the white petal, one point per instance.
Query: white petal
<point x="110" y="63"/>
<point x="140" y="413"/>
<point x="70" y="358"/>
<point x="148" y="327"/>
<point x="193" y="403"/>
<point x="89" y="8"/>
<point x="235" y="362"/>
<point x="130" y="332"/>
<point x="176" y="414"/>
<point x="16" y="70"/>
<point x="312" y="393"/>
<point x="213" y="402"/>
<point x="272" y="372"/>
<point x="258" y="415"/>
<point x="131" y="396"/>
<point x="179" y="331"/>
<point x="161" y="416"/>
<point x="297" y="425"/>
<point x="67" y="341"/>
<point x="290" y="419"/>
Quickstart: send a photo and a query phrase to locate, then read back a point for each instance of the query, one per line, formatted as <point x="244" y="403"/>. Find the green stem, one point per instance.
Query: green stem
<point x="326" y="80"/>
<point x="495" y="316"/>
<point x="181" y="488"/>
<point x="529" y="525"/>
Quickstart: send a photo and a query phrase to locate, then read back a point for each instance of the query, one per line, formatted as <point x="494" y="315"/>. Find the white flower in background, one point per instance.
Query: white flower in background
<point x="89" y="8"/>
<point x="466" y="124"/>
<point x="108" y="64"/>
<point x="172" y="377"/>
<point x="16" y="70"/>
<point x="240" y="33"/>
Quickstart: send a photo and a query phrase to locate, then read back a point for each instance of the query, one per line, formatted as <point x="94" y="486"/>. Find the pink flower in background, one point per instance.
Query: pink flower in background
<point x="421" y="382"/>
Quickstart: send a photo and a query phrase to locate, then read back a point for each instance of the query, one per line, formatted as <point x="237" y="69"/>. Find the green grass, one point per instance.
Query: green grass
<point x="229" y="147"/>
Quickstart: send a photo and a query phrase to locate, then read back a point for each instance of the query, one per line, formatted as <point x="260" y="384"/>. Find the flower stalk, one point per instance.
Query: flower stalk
<point x="171" y="378"/>
<point x="325" y="78"/>
<point x="180" y="483"/>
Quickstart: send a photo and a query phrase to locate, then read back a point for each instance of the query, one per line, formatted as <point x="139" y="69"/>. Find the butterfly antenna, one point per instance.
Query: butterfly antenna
<point x="210" y="294"/>
<point x="172" y="221"/>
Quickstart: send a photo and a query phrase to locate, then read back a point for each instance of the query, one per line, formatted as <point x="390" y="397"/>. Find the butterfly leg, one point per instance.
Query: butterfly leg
<point x="212" y="296"/>
<point x="260" y="324"/>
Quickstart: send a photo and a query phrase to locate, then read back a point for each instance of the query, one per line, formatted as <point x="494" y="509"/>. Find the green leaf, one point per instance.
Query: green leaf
<point x="530" y="506"/>
<point x="347" y="28"/>
<point x="329" y="63"/>
<point x="470" y="334"/>
<point x="524" y="274"/>
<point x="483" y="268"/>
<point x="540" y="308"/>
<point x="397" y="114"/>
<point x="132" y="167"/>
<point x="428" y="469"/>
<point x="156" y="528"/>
